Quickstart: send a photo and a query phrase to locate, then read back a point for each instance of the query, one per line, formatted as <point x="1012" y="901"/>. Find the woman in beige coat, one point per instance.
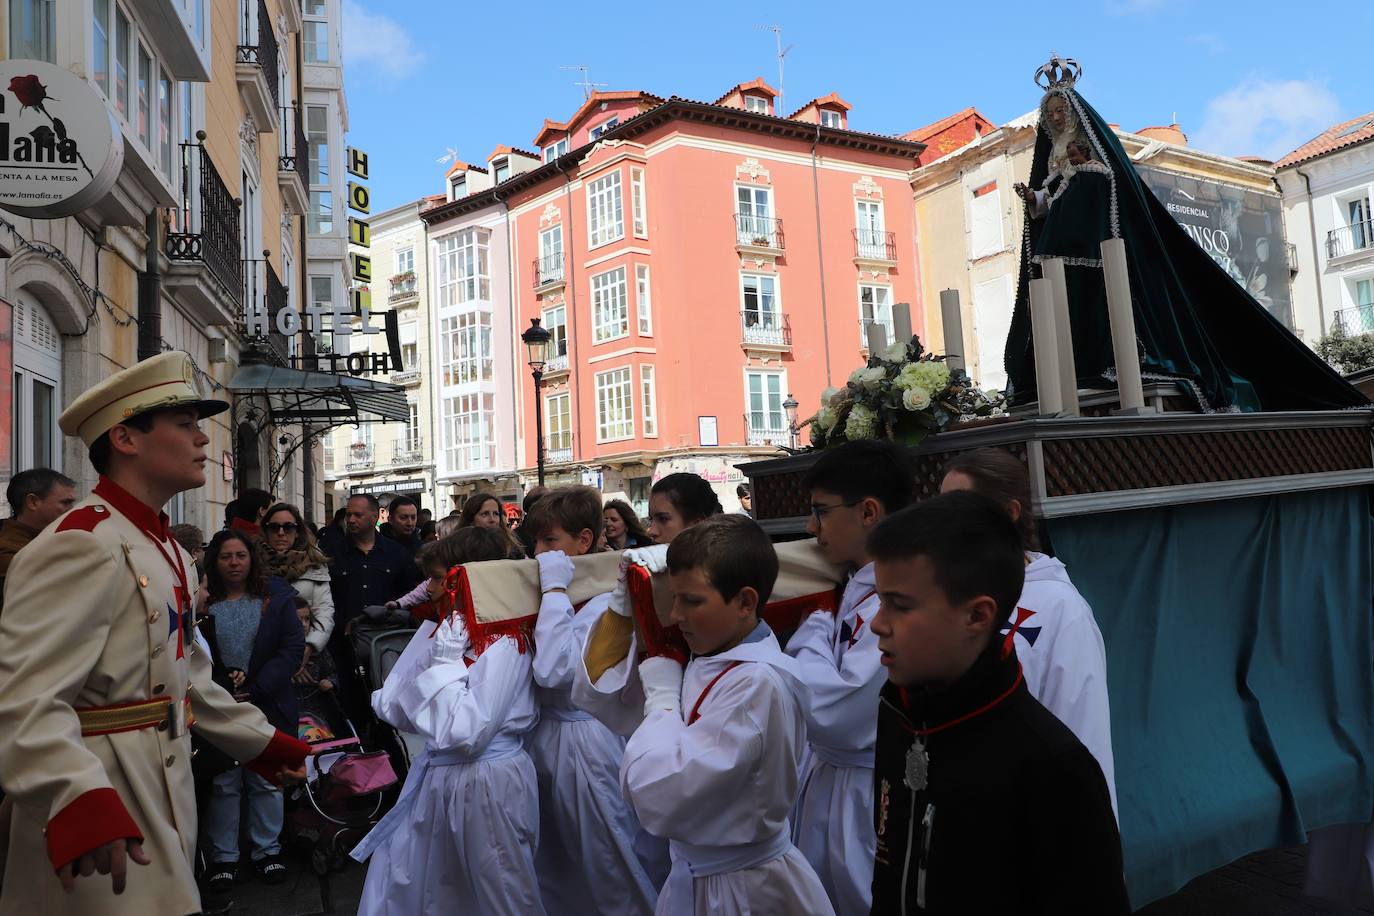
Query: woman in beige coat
<point x="289" y="550"/>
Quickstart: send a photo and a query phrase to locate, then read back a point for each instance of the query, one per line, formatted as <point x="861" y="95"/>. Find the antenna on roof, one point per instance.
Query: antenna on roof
<point x="449" y="155"/>
<point x="782" y="53"/>
<point x="588" y="87"/>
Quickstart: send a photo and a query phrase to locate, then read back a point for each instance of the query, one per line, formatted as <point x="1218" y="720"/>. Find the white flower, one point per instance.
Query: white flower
<point x="856" y="375"/>
<point x="825" y="419"/>
<point x="870" y="379"/>
<point x="931" y="375"/>
<point x="895" y="353"/>
<point x="861" y="422"/>
<point x="828" y="396"/>
<point x="916" y="398"/>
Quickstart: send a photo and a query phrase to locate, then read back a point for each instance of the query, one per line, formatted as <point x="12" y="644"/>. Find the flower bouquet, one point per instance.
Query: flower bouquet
<point x="903" y="394"/>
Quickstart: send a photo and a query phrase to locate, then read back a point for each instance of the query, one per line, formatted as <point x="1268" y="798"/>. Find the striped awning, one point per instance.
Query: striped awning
<point x="298" y="395"/>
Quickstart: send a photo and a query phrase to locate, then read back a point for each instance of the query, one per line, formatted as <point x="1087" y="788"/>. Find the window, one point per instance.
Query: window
<point x="458" y="187"/>
<point x="468" y="436"/>
<point x="410" y="436"/>
<point x="756" y="103"/>
<point x="985" y="218"/>
<point x="465" y="348"/>
<point x="641" y="225"/>
<point x="554" y="150"/>
<point x="31" y="29"/>
<point x="605" y="210"/>
<point x="599" y="130"/>
<point x="614" y="406"/>
<point x="643" y="308"/>
<point x="328" y="451"/>
<point x="410" y="350"/>
<point x="317" y="139"/>
<point x="121" y="55"/>
<point x="405" y="260"/>
<point x="760" y="304"/>
<point x="872" y="239"/>
<point x="100" y="44"/>
<point x="164" y="121"/>
<point x="1361" y="230"/>
<point x="321" y="213"/>
<point x="610" y="309"/>
<point x="559" y="410"/>
<point x="322" y="299"/>
<point x="550" y="255"/>
<point x="650" y="406"/>
<point x="145" y="89"/>
<point x="556" y="323"/>
<point x="316" y="40"/>
<point x="754" y="216"/>
<point x="462" y="268"/>
<point x="500" y="170"/>
<point x="875" y="304"/>
<point x="766" y="416"/>
<point x="832" y="119"/>
<point x="35" y="442"/>
<point x="314" y="7"/>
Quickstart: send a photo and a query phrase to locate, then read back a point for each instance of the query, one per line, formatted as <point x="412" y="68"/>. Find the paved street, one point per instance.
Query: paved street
<point x="1265" y="884"/>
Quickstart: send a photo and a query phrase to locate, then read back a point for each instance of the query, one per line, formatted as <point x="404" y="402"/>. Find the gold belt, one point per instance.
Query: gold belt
<point x="126" y="717"/>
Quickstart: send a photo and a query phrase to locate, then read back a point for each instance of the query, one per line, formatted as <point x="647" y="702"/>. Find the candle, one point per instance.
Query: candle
<point x="901" y="321"/>
<point x="1053" y="270"/>
<point x="1046" y="357"/>
<point x="953" y="322"/>
<point x="1122" y="318"/>
<point x="877" y="338"/>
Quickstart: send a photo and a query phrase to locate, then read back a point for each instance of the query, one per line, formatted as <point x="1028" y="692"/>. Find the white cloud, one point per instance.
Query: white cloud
<point x="1266" y="117"/>
<point x="377" y="42"/>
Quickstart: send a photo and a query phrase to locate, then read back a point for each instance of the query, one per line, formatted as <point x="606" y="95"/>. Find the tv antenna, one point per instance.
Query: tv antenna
<point x="782" y="53"/>
<point x="449" y="155"/>
<point x="588" y="87"/>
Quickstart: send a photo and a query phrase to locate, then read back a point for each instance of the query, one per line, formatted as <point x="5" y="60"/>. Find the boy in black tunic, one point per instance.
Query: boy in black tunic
<point x="984" y="801"/>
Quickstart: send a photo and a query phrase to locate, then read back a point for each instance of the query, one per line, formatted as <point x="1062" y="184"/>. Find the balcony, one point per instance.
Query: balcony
<point x="361" y="458"/>
<point x="1357" y="238"/>
<point x="1357" y="320"/>
<point x="763" y="433"/>
<point x="203" y="243"/>
<point x="408" y="378"/>
<point x="256" y="66"/>
<point x="759" y="236"/>
<point x="558" y="449"/>
<point x="873" y="248"/>
<point x="765" y="331"/>
<point x="293" y="161"/>
<point x="556" y="367"/>
<point x="408" y="451"/>
<point x="548" y="273"/>
<point x="405" y="290"/>
<point x="889" y="330"/>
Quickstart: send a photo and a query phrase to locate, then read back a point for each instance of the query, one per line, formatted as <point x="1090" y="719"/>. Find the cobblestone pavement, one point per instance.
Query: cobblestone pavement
<point x="1264" y="884"/>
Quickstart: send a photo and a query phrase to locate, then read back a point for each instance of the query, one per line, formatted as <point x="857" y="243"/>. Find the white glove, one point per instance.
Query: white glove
<point x="662" y="680"/>
<point x="450" y="643"/>
<point x="653" y="558"/>
<point x="555" y="570"/>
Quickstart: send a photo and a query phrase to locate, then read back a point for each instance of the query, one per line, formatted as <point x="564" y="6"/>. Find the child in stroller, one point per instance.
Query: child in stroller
<point x="320" y="716"/>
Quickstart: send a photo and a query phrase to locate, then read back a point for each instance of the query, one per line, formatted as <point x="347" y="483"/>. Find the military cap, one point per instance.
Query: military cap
<point x="165" y="380"/>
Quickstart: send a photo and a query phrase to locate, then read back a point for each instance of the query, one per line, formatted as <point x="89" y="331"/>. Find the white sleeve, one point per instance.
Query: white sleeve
<point x="1040" y="207"/>
<point x="844" y="699"/>
<point x="323" y="610"/>
<point x="555" y="644"/>
<point x="677" y="778"/>
<point x="1074" y="688"/>
<point x="617" y="699"/>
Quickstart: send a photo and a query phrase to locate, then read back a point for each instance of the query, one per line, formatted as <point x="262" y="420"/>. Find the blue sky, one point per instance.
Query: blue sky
<point x="1256" y="78"/>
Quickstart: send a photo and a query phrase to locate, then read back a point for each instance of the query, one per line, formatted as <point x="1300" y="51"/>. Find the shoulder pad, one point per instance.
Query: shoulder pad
<point x="84" y="519"/>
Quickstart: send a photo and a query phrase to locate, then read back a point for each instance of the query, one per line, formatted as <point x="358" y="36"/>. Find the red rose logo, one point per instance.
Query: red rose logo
<point x="29" y="91"/>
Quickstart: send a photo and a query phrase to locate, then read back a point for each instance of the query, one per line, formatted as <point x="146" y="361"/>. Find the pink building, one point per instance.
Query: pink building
<point x="697" y="264"/>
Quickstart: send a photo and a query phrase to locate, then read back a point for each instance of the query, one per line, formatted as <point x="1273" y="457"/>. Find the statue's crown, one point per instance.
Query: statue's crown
<point x="1059" y="73"/>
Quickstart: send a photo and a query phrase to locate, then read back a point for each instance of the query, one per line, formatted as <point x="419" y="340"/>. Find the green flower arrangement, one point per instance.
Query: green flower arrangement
<point x="903" y="394"/>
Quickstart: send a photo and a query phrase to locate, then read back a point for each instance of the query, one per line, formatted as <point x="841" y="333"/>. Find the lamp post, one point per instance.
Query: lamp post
<point x="537" y="346"/>
<point x="790" y="405"/>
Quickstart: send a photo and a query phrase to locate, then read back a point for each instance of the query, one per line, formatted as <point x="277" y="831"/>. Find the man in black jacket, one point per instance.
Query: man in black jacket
<point x="984" y="801"/>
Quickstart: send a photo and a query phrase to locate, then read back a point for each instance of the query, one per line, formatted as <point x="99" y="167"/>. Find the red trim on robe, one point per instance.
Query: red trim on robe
<point x="282" y="751"/>
<point x="88" y="822"/>
<point x="659" y="639"/>
<point x="457" y="598"/>
<point x="788" y="614"/>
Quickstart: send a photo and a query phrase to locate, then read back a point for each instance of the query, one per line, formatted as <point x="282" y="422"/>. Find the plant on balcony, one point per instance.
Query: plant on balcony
<point x="903" y="394"/>
<point x="403" y="278"/>
<point x="1346" y="353"/>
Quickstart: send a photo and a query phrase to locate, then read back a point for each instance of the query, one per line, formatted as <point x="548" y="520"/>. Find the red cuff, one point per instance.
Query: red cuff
<point x="90" y="821"/>
<point x="787" y="615"/>
<point x="282" y="751"/>
<point x="658" y="639"/>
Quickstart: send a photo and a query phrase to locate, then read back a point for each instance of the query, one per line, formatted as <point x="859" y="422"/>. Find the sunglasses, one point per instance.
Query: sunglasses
<point x="279" y="527"/>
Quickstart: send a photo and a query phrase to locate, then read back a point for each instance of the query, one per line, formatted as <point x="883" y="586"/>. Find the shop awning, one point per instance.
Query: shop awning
<point x="297" y="395"/>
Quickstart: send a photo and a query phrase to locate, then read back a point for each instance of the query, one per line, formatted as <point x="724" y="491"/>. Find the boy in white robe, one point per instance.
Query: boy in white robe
<point x="1057" y="639"/>
<point x="463" y="833"/>
<point x="588" y="858"/>
<point x="713" y="765"/>
<point x="852" y="489"/>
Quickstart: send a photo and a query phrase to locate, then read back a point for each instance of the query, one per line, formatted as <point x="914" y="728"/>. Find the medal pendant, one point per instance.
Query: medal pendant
<point x="917" y="767"/>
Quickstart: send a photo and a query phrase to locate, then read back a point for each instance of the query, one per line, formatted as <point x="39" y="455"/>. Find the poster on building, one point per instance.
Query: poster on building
<point x="1239" y="228"/>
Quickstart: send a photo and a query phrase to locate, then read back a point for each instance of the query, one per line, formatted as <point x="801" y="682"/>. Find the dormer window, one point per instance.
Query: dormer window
<point x="500" y="170"/>
<point x="553" y="151"/>
<point x="457" y="187"/>
<point x="610" y="125"/>
<point x="756" y="103"/>
<point x="831" y="118"/>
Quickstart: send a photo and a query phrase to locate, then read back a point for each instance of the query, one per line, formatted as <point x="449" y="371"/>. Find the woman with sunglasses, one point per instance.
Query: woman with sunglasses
<point x="289" y="551"/>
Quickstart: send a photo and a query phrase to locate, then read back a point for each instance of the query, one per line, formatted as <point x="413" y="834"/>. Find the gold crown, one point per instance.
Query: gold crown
<point x="1059" y="73"/>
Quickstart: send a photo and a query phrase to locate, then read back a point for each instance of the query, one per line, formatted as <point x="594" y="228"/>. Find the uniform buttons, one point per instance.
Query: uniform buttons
<point x="143" y="581"/>
<point x="152" y="618"/>
<point x="170" y="761"/>
<point x="158" y="688"/>
<point x="157" y="650"/>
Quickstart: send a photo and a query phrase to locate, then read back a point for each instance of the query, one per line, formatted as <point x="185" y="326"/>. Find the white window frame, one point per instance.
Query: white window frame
<point x="831" y="118"/>
<point x="649" y="400"/>
<point x="137" y="44"/>
<point x="37" y="359"/>
<point x="751" y="224"/>
<point x="409" y="333"/>
<point x="551" y="244"/>
<point x="465" y="349"/>
<point x="621" y="426"/>
<point x="558" y="408"/>
<point x="19" y="49"/>
<point x="604" y="127"/>
<point x="644" y="309"/>
<point x="872" y="231"/>
<point x="497" y="166"/>
<point x="468" y="428"/>
<point x="556" y="149"/>
<point x="410" y="432"/>
<point x="775" y="310"/>
<point x="405" y="259"/>
<point x="610" y="306"/>
<point x="605" y="210"/>
<point x="558" y="333"/>
<point x="773" y="431"/>
<point x="462" y="267"/>
<point x="885" y="321"/>
<point x="756" y="103"/>
<point x="307" y="33"/>
<point x="458" y="187"/>
<point x="638" y="204"/>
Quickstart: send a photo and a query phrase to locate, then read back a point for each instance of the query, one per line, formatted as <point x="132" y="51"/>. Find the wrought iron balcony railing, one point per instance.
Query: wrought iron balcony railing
<point x="1357" y="320"/>
<point x="548" y="269"/>
<point x="207" y="221"/>
<point x="1358" y="236"/>
<point x="404" y="285"/>
<point x="889" y="330"/>
<point x="759" y="231"/>
<point x="408" y="451"/>
<point x="767" y="432"/>
<point x="361" y="457"/>
<point x="260" y="47"/>
<point x="765" y="328"/>
<point x="295" y="151"/>
<point x="872" y="245"/>
<point x="556" y="364"/>
<point x="558" y="448"/>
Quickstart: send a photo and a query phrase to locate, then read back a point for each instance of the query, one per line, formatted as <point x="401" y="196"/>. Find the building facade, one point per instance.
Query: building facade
<point x="1328" y="188"/>
<point x="697" y="264"/>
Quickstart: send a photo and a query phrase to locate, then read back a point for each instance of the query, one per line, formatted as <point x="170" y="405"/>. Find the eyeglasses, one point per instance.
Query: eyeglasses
<point x="279" y="527"/>
<point x="820" y="512"/>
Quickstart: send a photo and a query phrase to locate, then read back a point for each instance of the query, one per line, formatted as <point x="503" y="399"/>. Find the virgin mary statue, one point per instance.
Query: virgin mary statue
<point x="1194" y="324"/>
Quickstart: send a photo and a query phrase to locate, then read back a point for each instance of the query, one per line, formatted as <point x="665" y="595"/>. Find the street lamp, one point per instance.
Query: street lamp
<point x="790" y="405"/>
<point x="537" y="347"/>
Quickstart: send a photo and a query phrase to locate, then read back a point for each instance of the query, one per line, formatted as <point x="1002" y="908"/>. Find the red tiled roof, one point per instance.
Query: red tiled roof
<point x="458" y="166"/>
<point x="597" y="98"/>
<point x="930" y="130"/>
<point x="504" y="150"/>
<point x="831" y="99"/>
<point x="754" y="84"/>
<point x="1338" y="136"/>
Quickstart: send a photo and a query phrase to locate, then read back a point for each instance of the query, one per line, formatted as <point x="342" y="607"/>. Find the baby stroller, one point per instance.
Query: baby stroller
<point x="378" y="643"/>
<point x="345" y="788"/>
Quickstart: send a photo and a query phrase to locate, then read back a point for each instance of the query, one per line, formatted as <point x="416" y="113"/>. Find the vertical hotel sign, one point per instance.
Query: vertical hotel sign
<point x="359" y="258"/>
